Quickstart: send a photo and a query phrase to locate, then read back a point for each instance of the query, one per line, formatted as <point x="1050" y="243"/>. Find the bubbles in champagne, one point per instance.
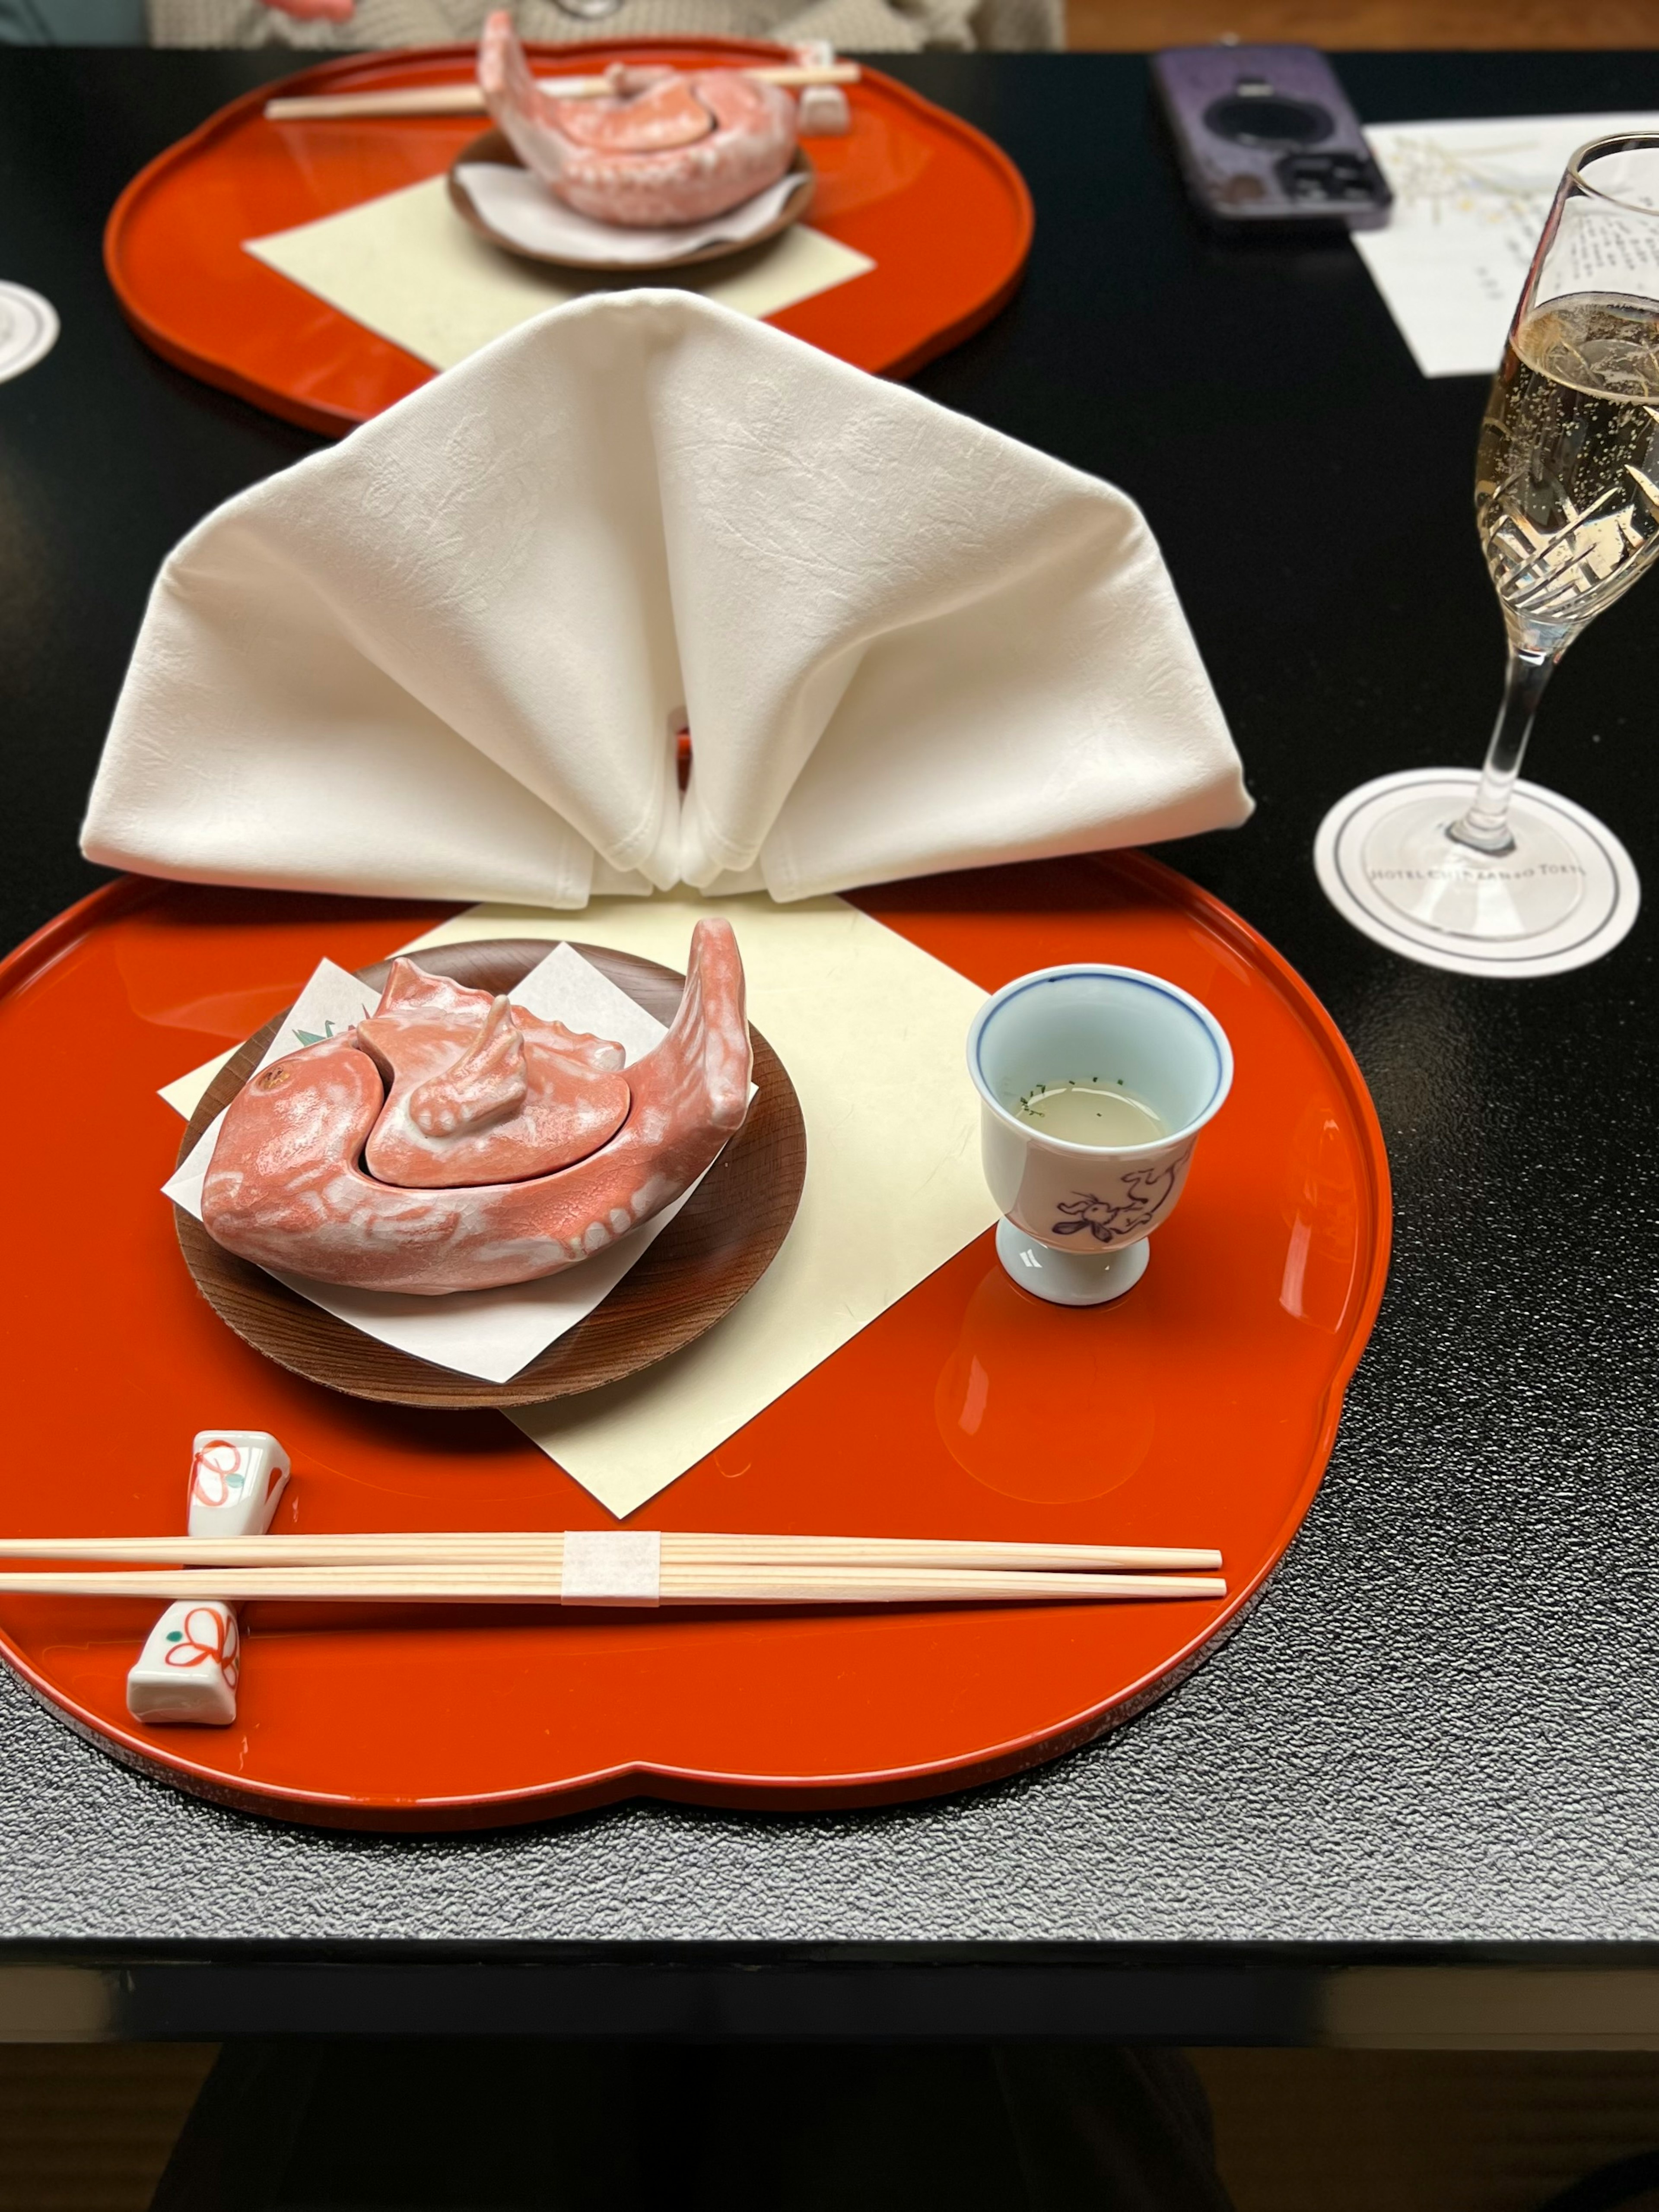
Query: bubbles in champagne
<point x="1566" y="495"/>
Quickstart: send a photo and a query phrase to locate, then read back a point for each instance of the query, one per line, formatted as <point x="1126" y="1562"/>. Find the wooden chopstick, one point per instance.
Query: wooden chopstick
<point x="467" y="99"/>
<point x="680" y="1585"/>
<point x="524" y="1550"/>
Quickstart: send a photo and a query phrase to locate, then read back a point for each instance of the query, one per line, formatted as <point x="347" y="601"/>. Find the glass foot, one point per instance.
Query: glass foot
<point x="1070" y="1278"/>
<point x="1420" y="871"/>
<point x="1565" y="894"/>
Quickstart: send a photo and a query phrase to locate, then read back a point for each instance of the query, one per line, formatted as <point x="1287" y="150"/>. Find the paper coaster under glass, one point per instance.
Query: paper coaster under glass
<point x="1566" y="895"/>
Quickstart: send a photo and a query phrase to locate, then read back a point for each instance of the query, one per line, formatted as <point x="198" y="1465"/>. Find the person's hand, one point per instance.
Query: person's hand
<point x="315" y="11"/>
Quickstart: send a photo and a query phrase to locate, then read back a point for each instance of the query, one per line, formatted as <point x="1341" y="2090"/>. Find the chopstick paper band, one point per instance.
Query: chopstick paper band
<point x="611" y="1566"/>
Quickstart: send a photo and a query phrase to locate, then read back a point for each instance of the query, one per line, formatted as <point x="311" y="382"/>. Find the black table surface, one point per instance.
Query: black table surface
<point x="1438" y="1738"/>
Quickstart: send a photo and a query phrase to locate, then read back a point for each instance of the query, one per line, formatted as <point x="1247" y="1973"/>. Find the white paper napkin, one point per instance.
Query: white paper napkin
<point x="445" y="658"/>
<point x="522" y="209"/>
<point x="489" y="1334"/>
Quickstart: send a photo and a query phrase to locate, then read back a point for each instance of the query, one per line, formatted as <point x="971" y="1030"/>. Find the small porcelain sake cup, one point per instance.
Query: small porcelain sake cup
<point x="1076" y="1217"/>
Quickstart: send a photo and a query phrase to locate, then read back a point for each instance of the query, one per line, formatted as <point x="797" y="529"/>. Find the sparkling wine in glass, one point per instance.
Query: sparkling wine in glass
<point x="1567" y="507"/>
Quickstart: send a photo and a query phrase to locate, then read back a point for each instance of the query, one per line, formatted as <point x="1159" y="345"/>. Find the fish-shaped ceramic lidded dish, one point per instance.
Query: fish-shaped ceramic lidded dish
<point x="454" y="1141"/>
<point x="667" y="146"/>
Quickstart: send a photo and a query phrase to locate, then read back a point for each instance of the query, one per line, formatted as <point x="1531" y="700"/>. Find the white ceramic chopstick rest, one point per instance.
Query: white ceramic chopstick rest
<point x="822" y="112"/>
<point x="192" y="1659"/>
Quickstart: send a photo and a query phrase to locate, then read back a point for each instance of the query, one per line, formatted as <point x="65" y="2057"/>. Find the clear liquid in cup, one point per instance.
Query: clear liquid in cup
<point x="1096" y="1112"/>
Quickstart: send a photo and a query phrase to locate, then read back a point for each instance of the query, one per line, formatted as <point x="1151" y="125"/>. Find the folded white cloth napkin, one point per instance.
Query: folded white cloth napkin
<point x="448" y="657"/>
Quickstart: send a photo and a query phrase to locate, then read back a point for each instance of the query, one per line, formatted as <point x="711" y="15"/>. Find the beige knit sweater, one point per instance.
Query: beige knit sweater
<point x="859" y="26"/>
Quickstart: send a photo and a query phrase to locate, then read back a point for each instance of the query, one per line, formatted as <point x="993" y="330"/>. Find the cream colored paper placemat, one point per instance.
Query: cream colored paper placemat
<point x="873" y="1033"/>
<point x="407" y="267"/>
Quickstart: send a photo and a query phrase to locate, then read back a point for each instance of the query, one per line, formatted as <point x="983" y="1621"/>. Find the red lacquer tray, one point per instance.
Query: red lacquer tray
<point x="1200" y="1410"/>
<point x="943" y="213"/>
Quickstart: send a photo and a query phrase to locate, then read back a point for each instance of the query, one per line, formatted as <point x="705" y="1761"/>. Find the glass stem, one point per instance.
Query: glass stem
<point x="1486" y="824"/>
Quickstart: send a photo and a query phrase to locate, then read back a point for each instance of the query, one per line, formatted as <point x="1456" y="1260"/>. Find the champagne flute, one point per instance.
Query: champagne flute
<point x="1567" y="507"/>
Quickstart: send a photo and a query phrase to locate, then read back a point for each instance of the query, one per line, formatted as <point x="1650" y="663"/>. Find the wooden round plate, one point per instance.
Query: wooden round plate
<point x="493" y="147"/>
<point x="716" y="1248"/>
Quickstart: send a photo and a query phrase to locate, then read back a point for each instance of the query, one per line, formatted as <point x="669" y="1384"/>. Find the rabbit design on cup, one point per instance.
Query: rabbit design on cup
<point x="1146" y="1189"/>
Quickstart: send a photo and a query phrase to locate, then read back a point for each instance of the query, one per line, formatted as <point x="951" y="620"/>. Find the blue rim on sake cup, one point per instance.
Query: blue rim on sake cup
<point x="1041" y="978"/>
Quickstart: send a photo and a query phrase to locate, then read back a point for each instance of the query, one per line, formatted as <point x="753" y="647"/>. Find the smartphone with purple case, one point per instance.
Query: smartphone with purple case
<point x="1267" y="139"/>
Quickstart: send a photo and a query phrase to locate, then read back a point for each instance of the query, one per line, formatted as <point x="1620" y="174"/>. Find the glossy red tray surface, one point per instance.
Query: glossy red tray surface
<point x="943" y="213"/>
<point x="1200" y="1410"/>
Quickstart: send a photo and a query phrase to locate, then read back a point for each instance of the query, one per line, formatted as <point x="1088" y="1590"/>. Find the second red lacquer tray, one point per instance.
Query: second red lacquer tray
<point x="943" y="213"/>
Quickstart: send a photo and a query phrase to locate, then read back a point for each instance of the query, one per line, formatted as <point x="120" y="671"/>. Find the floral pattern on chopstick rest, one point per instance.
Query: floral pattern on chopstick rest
<point x="188" y="1667"/>
<point x="237" y="1478"/>
<point x="192" y="1661"/>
